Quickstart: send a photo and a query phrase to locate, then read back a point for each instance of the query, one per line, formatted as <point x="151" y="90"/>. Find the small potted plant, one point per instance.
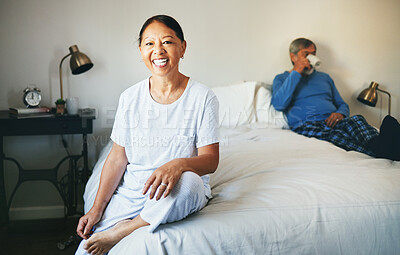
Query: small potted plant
<point x="60" y="103"/>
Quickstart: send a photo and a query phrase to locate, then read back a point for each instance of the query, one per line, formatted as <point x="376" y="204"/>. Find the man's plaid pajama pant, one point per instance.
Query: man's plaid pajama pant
<point x="351" y="133"/>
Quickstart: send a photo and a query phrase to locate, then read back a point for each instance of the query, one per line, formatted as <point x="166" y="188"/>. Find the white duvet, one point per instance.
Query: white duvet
<point x="276" y="192"/>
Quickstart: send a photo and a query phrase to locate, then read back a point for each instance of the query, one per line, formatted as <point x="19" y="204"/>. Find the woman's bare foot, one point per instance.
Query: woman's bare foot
<point x="102" y="242"/>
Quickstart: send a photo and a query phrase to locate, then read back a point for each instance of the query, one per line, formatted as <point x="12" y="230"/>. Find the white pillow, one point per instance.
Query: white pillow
<point x="236" y="104"/>
<point x="266" y="113"/>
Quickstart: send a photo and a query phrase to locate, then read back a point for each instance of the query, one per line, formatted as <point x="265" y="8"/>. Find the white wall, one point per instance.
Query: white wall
<point x="357" y="40"/>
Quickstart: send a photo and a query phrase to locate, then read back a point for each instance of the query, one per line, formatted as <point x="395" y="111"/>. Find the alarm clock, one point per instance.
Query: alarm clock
<point x="32" y="97"/>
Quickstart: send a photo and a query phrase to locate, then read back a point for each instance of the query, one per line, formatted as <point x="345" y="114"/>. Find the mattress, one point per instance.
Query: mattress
<point x="277" y="192"/>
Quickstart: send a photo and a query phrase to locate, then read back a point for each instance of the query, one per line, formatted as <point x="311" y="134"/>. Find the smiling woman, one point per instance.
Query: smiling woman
<point x="148" y="184"/>
<point x="161" y="49"/>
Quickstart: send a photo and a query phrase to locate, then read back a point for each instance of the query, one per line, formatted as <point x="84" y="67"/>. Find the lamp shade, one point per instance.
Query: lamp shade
<point x="369" y="96"/>
<point x="79" y="62"/>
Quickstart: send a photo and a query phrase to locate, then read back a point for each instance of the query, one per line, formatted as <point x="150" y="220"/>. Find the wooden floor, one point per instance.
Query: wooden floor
<point x="38" y="237"/>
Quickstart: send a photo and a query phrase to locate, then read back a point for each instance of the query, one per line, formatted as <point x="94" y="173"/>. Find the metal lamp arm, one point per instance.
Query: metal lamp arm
<point x="390" y="98"/>
<point x="60" y="71"/>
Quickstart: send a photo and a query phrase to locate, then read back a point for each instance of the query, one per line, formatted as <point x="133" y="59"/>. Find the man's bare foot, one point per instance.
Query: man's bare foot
<point x="101" y="242"/>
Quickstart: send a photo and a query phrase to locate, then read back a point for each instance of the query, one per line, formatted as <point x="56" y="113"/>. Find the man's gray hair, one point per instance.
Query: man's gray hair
<point x="299" y="44"/>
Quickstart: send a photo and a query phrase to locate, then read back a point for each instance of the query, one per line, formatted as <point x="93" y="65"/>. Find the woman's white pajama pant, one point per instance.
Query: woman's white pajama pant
<point x="188" y="196"/>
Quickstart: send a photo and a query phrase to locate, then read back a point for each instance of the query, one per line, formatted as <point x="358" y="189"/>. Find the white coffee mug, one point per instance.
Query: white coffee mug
<point x="314" y="61"/>
<point x="72" y="105"/>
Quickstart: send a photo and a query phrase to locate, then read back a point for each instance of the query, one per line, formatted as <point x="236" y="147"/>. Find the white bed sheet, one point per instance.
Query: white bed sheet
<point x="276" y="192"/>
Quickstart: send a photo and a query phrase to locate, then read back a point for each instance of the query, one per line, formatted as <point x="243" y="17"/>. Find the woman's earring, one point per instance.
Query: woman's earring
<point x="182" y="57"/>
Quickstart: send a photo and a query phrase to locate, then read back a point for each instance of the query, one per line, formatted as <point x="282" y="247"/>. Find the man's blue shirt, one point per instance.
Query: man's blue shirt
<point x="306" y="98"/>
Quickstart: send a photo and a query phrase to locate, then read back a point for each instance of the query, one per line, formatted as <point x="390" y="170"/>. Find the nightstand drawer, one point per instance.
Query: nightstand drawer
<point x="46" y="126"/>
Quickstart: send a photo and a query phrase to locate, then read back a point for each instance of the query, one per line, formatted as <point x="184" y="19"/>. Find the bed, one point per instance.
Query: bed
<point x="276" y="192"/>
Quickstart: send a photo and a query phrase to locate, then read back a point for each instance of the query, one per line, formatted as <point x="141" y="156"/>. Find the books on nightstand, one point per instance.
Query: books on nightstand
<point x="29" y="110"/>
<point x="23" y="113"/>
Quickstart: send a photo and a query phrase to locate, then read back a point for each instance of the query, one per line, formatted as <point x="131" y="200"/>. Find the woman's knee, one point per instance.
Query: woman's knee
<point x="189" y="184"/>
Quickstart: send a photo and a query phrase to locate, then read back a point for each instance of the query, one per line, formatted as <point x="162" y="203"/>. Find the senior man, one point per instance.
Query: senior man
<point x="314" y="108"/>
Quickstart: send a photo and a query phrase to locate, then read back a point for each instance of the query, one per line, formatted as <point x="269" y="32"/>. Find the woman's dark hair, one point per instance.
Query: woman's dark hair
<point x="166" y="20"/>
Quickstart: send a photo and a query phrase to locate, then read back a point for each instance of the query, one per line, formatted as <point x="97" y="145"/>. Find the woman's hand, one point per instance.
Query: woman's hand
<point x="166" y="176"/>
<point x="87" y="222"/>
<point x="164" y="179"/>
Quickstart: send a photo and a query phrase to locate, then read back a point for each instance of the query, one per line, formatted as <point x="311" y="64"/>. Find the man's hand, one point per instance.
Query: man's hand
<point x="301" y="63"/>
<point x="334" y="119"/>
